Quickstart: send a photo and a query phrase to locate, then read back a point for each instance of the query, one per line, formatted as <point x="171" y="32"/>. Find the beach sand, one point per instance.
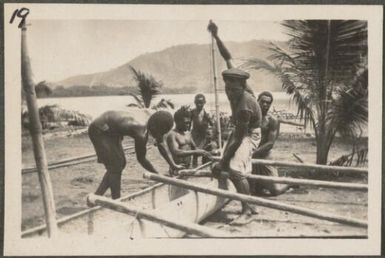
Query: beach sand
<point x="72" y="184"/>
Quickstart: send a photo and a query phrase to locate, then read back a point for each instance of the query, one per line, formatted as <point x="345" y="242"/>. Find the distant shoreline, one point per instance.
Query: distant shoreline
<point x="128" y="94"/>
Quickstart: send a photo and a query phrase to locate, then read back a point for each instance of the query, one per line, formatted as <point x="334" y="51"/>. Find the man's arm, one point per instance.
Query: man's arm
<point x="166" y="154"/>
<point x="213" y="28"/>
<point x="283" y="121"/>
<point x="271" y="138"/>
<point x="208" y="119"/>
<point x="141" y="149"/>
<point x="239" y="133"/>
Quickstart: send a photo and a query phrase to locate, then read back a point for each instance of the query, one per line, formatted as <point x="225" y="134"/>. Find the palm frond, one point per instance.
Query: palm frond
<point x="164" y="103"/>
<point x="349" y="111"/>
<point x="325" y="71"/>
<point x="139" y="101"/>
<point x="134" y="105"/>
<point x="361" y="157"/>
<point x="148" y="86"/>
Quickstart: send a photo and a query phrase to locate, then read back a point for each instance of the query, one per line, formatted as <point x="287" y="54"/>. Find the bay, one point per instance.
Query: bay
<point x="96" y="105"/>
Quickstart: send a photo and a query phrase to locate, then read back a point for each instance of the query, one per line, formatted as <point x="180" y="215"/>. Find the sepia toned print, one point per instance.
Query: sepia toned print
<point x="138" y="132"/>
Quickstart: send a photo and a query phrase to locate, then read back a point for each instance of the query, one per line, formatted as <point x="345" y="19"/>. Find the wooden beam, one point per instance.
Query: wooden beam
<point x="35" y="129"/>
<point x="323" y="168"/>
<point x="187" y="227"/>
<point x="258" y="201"/>
<point x="68" y="162"/>
<point x="189" y="171"/>
<point x="291" y="181"/>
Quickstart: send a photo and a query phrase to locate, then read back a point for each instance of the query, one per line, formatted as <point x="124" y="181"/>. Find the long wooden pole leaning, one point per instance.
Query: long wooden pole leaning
<point x="216" y="94"/>
<point x="187" y="227"/>
<point x="37" y="138"/>
<point x="324" y="168"/>
<point x="285" y="180"/>
<point x="259" y="201"/>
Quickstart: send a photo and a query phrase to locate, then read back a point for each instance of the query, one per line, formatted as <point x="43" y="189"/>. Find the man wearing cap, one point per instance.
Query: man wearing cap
<point x="246" y="115"/>
<point x="106" y="133"/>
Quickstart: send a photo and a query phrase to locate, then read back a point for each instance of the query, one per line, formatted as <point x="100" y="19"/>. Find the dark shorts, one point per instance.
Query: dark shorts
<point x="264" y="170"/>
<point x="109" y="149"/>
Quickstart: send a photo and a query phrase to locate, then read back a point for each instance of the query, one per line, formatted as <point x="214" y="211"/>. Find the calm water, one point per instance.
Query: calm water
<point x="94" y="106"/>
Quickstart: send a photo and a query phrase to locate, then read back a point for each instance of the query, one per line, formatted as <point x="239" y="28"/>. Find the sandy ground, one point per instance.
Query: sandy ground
<point x="72" y="184"/>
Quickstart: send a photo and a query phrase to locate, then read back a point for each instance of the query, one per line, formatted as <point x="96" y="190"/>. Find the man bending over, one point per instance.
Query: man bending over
<point x="106" y="133"/>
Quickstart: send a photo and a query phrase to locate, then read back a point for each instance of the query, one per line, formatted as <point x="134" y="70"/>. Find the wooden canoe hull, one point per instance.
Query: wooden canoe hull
<point x="169" y="201"/>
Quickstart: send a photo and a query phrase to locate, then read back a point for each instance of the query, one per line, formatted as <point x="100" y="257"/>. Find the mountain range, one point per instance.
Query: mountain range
<point x="184" y="67"/>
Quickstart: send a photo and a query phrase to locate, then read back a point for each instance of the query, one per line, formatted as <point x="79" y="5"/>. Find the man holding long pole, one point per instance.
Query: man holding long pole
<point x="246" y="116"/>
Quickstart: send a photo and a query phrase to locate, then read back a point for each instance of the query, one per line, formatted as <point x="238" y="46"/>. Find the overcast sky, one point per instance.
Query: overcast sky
<point x="63" y="48"/>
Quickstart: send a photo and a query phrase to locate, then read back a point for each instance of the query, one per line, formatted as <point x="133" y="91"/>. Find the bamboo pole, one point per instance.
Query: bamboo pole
<point x="191" y="171"/>
<point x="37" y="138"/>
<point x="259" y="201"/>
<point x="323" y="168"/>
<point x="216" y="93"/>
<point x="187" y="227"/>
<point x="68" y="162"/>
<point x="291" y="181"/>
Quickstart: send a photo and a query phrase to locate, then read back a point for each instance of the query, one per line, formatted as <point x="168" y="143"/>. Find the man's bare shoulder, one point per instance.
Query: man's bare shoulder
<point x="172" y="134"/>
<point x="273" y="120"/>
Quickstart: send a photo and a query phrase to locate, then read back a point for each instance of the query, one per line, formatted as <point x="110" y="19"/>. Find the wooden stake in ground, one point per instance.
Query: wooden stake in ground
<point x="259" y="201"/>
<point x="37" y="138"/>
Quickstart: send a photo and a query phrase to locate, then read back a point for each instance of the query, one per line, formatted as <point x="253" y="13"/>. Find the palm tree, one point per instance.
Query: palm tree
<point x="42" y="89"/>
<point x="147" y="88"/>
<point x="325" y="71"/>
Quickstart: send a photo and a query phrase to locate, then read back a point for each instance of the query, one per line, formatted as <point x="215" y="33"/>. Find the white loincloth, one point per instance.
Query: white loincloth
<point x="241" y="161"/>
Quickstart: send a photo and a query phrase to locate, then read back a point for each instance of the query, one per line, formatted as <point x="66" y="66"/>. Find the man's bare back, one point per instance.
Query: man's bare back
<point x="123" y="122"/>
<point x="106" y="134"/>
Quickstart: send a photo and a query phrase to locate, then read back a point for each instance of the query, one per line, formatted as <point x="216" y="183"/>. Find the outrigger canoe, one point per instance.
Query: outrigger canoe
<point x="172" y="202"/>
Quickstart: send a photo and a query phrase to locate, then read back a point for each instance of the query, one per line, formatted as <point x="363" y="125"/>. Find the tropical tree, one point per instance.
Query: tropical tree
<point x="147" y="89"/>
<point x="325" y="71"/>
<point x="42" y="89"/>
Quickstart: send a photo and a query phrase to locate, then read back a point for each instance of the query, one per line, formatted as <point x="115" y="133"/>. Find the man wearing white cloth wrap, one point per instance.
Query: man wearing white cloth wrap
<point x="246" y="115"/>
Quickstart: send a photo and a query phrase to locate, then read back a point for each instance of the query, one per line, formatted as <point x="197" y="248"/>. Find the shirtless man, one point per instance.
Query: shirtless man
<point x="270" y="130"/>
<point x="211" y="144"/>
<point x="180" y="141"/>
<point x="246" y="115"/>
<point x="200" y="123"/>
<point x="106" y="133"/>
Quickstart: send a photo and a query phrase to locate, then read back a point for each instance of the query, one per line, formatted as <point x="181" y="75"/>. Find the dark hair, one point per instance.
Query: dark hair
<point x="199" y="96"/>
<point x="182" y="112"/>
<point x="160" y="123"/>
<point x="267" y="94"/>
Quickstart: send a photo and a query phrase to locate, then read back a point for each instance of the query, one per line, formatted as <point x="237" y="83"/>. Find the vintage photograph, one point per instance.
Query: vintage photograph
<point x="155" y="129"/>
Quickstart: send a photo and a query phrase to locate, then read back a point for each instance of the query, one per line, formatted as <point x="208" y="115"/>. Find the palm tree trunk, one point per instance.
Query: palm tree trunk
<point x="323" y="145"/>
<point x="322" y="151"/>
<point x="324" y="142"/>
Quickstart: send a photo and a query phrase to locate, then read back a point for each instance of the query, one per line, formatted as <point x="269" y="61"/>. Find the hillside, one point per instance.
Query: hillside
<point x="182" y="66"/>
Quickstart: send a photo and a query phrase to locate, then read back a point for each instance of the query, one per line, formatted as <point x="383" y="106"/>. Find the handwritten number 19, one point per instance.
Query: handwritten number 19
<point x="22" y="14"/>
